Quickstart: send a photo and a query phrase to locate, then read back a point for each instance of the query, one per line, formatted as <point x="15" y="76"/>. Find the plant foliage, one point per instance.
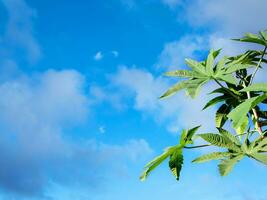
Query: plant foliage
<point x="238" y="100"/>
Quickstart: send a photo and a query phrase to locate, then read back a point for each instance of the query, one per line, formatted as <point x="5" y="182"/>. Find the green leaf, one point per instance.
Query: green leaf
<point x="252" y="38"/>
<point x="193" y="87"/>
<point x="156" y="162"/>
<point x="176" y="162"/>
<point x="211" y="156"/>
<point x="227" y="165"/>
<point x="183" y="73"/>
<point x="261" y="157"/>
<point x="221" y="115"/>
<point x="220" y="66"/>
<point x="257" y="87"/>
<point x="209" y="63"/>
<point x="238" y="115"/>
<point x="236" y="67"/>
<point x="189" y="135"/>
<point x="243" y="127"/>
<point x="229" y="136"/>
<point x="196" y="66"/>
<point x="227" y="78"/>
<point x="214" y="101"/>
<point x="258" y="145"/>
<point x="218" y="140"/>
<point x="263" y="34"/>
<point x="174" y="89"/>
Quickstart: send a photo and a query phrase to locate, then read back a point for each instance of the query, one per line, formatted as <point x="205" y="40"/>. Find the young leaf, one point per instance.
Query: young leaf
<point x="176" y="162"/>
<point x="156" y="162"/>
<point x="189" y="135"/>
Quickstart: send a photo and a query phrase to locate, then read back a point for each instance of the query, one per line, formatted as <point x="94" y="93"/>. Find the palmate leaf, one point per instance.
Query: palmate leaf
<point x="176" y="162"/>
<point x="174" y="153"/>
<point x="227" y="165"/>
<point x="238" y="115"/>
<point x="257" y="87"/>
<point x="211" y="156"/>
<point x="227" y="78"/>
<point x="221" y="115"/>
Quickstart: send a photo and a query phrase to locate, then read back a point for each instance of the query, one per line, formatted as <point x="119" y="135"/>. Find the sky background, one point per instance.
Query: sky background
<point x="79" y="86"/>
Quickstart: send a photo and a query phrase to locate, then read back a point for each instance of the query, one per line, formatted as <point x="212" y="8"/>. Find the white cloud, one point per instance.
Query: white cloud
<point x="98" y="56"/>
<point x="107" y="94"/>
<point x="228" y="16"/>
<point x="37" y="112"/>
<point x="174" y="53"/>
<point x="20" y="30"/>
<point x="177" y="112"/>
<point x="227" y="19"/>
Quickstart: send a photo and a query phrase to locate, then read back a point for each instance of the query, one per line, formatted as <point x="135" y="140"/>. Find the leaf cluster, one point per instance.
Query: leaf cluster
<point x="238" y="100"/>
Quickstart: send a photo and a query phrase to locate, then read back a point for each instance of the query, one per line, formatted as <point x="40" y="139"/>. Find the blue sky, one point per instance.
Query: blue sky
<point x="79" y="84"/>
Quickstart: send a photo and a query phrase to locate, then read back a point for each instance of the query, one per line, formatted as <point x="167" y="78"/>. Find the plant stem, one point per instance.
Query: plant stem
<point x="200" y="146"/>
<point x="257" y="125"/>
<point x="258" y="65"/>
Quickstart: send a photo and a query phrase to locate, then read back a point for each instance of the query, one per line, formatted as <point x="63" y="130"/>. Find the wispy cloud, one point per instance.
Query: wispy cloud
<point x="172" y="3"/>
<point x="176" y="112"/>
<point x="115" y="53"/>
<point x="174" y="53"/>
<point x="98" y="56"/>
<point x="36" y="111"/>
<point x="20" y="29"/>
<point x="102" y="129"/>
